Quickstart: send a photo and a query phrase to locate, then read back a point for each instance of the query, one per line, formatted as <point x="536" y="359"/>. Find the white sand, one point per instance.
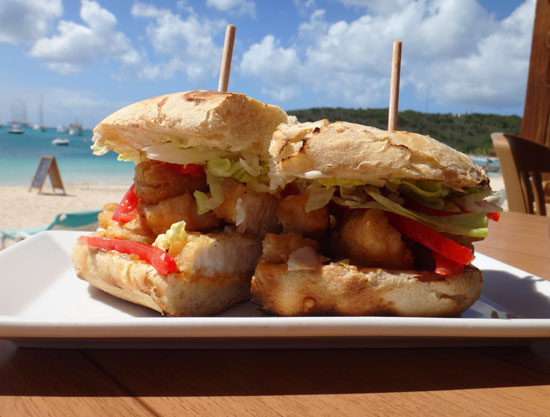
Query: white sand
<point x="20" y="208"/>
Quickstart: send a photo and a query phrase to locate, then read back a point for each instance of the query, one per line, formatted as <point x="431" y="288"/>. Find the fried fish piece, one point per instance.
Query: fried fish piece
<point x="366" y="238"/>
<point x="156" y="181"/>
<point x="291" y="214"/>
<point x="159" y="217"/>
<point x="251" y="211"/>
<point x="135" y="230"/>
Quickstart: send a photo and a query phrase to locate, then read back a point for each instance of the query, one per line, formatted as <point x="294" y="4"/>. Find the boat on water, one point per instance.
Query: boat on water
<point x="61" y="129"/>
<point x="60" y="142"/>
<point x="40" y="126"/>
<point x="15" y="129"/>
<point x="488" y="163"/>
<point x="75" y="129"/>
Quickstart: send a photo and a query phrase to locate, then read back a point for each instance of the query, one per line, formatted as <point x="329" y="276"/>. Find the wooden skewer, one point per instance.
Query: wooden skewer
<point x="226" y="58"/>
<point x="394" y="88"/>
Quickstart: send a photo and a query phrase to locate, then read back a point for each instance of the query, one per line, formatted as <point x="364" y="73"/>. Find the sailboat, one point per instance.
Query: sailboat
<point x="19" y="117"/>
<point x="40" y="126"/>
<point x="75" y="129"/>
<point x="15" y="129"/>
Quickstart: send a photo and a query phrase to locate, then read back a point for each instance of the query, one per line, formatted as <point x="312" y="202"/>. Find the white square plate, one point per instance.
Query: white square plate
<point x="42" y="302"/>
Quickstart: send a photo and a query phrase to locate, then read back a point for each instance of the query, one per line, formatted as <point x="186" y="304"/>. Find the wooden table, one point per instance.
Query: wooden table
<point x="488" y="381"/>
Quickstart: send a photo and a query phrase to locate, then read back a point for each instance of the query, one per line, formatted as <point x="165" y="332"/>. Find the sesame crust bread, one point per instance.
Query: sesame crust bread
<point x="352" y="151"/>
<point x="230" y="122"/>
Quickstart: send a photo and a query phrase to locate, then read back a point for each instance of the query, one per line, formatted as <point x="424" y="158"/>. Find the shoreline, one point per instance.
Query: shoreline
<point x="20" y="208"/>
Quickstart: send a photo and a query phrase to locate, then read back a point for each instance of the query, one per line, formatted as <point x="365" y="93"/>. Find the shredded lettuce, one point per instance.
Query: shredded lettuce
<point x="252" y="165"/>
<point x="424" y="188"/>
<point x="247" y="170"/>
<point x="318" y="196"/>
<point x="223" y="167"/>
<point x="175" y="233"/>
<point x="352" y="192"/>
<point x="205" y="203"/>
<point x="125" y="153"/>
<point x="484" y="201"/>
<point x="469" y="224"/>
<point x="430" y="193"/>
<point x="99" y="146"/>
<point x="335" y="182"/>
<point x="130" y="155"/>
<point x="260" y="184"/>
<point x="169" y="152"/>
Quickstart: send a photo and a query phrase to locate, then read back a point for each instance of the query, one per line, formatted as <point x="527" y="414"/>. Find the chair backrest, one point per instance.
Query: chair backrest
<point x="522" y="163"/>
<point x="536" y="113"/>
<point x="82" y="220"/>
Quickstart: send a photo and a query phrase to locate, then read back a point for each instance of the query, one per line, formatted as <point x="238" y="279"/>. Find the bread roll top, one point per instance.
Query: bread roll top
<point x="229" y="122"/>
<point x="351" y="151"/>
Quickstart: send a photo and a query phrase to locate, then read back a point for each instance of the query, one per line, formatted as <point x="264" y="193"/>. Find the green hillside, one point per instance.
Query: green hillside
<point x="468" y="133"/>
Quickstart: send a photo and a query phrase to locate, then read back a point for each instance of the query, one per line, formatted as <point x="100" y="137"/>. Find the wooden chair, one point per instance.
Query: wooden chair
<point x="521" y="163"/>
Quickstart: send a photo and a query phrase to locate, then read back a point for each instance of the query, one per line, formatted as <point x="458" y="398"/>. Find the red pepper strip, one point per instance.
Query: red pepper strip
<point x="127" y="208"/>
<point x="446" y="266"/>
<point x="161" y="261"/>
<point x="194" y="170"/>
<point x="494" y="216"/>
<point x="431" y="239"/>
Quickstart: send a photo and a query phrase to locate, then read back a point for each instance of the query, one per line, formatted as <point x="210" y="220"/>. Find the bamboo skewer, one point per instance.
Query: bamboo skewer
<point x="226" y="58"/>
<point x="394" y="87"/>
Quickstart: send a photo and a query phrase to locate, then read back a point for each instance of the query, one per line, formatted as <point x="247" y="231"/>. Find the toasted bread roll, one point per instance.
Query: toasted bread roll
<point x="367" y="154"/>
<point x="337" y="289"/>
<point x="214" y="274"/>
<point x="342" y="289"/>
<point x="229" y="122"/>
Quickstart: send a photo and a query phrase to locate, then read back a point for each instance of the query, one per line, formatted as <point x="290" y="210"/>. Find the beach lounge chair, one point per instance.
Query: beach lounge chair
<point x="82" y="220"/>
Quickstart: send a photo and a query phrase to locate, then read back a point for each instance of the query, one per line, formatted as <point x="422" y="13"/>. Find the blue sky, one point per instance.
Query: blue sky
<point x="86" y="58"/>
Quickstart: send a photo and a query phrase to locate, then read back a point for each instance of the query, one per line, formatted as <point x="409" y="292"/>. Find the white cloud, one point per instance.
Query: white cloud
<point x="452" y="49"/>
<point x="188" y="44"/>
<point x="495" y="73"/>
<point x="76" y="45"/>
<point x="314" y="29"/>
<point x="26" y="20"/>
<point x="244" y="7"/>
<point x="277" y="66"/>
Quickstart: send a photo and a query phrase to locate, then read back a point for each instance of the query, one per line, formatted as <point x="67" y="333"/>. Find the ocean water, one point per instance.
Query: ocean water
<point x="20" y="155"/>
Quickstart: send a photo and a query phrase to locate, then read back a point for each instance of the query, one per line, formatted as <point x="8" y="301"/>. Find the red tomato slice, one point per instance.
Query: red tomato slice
<point x="127" y="208"/>
<point x="494" y="216"/>
<point x="446" y="266"/>
<point x="431" y="239"/>
<point x="161" y="261"/>
<point x="194" y="170"/>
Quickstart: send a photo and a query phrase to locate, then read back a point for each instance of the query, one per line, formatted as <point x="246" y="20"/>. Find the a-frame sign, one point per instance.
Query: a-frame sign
<point x="47" y="166"/>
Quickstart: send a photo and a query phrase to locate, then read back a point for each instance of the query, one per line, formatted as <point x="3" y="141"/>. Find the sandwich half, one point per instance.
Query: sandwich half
<point x="186" y="237"/>
<point x="373" y="223"/>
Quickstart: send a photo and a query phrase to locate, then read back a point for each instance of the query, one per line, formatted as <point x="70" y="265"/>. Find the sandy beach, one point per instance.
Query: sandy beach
<point x="20" y="208"/>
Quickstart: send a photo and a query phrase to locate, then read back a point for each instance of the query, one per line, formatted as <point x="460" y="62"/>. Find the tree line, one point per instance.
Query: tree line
<point x="469" y="133"/>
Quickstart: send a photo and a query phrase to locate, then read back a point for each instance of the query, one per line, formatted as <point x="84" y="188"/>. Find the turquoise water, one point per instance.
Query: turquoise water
<point x="20" y="154"/>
